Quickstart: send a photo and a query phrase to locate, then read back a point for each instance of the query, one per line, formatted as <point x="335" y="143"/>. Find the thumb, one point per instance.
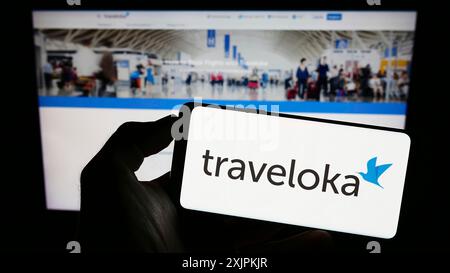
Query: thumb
<point x="133" y="141"/>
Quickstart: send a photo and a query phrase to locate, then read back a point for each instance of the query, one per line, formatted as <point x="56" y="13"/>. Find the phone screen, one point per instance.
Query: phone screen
<point x="295" y="170"/>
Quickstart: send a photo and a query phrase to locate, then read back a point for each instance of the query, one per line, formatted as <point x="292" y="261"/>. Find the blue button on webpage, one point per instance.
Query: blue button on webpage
<point x="334" y="16"/>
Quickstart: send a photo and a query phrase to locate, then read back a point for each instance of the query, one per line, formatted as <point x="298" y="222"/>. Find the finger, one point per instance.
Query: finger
<point x="162" y="209"/>
<point x="160" y="182"/>
<point x="165" y="182"/>
<point x="133" y="141"/>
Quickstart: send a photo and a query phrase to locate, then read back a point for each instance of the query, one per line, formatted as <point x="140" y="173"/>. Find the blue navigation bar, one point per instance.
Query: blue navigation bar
<point x="390" y="108"/>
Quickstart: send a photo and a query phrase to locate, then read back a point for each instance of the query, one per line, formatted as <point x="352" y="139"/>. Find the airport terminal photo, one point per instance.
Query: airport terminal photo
<point x="225" y="64"/>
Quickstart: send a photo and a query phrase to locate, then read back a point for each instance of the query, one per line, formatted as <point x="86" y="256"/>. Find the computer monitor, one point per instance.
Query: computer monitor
<point x="98" y="69"/>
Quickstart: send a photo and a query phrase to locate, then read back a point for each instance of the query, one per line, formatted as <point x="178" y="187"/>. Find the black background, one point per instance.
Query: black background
<point x="27" y="226"/>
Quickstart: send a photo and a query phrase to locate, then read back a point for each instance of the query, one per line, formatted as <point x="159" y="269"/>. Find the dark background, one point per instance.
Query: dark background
<point x="27" y="226"/>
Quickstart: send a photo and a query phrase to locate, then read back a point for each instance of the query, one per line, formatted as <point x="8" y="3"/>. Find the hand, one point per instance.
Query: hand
<point x="120" y="213"/>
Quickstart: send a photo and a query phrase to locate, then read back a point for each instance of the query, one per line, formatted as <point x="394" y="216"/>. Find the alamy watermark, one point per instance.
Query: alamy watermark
<point x="231" y="127"/>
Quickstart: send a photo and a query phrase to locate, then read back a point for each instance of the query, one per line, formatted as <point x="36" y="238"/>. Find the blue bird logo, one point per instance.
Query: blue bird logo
<point x="374" y="172"/>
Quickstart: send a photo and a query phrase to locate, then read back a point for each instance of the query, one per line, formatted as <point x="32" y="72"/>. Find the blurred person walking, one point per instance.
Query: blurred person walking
<point x="149" y="78"/>
<point x="108" y="72"/>
<point x="322" y="81"/>
<point x="302" y="78"/>
<point x="47" y="69"/>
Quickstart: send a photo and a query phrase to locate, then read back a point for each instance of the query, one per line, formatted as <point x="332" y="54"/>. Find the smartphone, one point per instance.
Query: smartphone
<point x="310" y="172"/>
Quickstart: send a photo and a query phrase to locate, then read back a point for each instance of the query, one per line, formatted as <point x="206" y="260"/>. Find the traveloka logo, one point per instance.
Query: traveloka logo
<point x="374" y="172"/>
<point x="322" y="179"/>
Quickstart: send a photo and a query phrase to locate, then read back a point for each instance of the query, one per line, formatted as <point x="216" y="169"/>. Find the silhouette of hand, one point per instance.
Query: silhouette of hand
<point x="120" y="213"/>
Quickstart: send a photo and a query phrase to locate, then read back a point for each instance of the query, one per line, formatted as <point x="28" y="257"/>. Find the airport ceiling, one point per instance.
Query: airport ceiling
<point x="166" y="43"/>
